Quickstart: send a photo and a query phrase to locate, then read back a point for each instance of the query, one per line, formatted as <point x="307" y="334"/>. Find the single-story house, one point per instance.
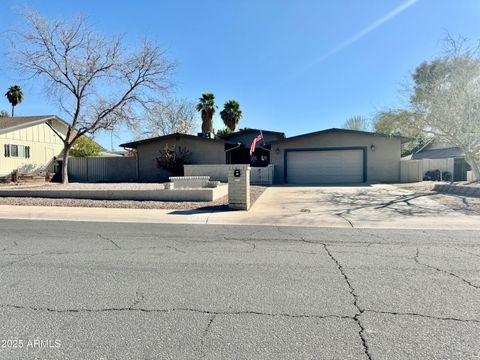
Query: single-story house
<point x="29" y="143"/>
<point x="203" y="151"/>
<point x="438" y="150"/>
<point x="325" y="157"/>
<point x="336" y="156"/>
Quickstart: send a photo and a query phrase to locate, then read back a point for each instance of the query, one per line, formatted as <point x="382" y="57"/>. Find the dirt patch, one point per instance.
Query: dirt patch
<point x="462" y="204"/>
<point x="217" y="205"/>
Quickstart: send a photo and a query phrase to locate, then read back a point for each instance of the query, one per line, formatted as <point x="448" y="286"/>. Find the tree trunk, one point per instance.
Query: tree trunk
<point x="207" y="122"/>
<point x="13" y="110"/>
<point x="66" y="149"/>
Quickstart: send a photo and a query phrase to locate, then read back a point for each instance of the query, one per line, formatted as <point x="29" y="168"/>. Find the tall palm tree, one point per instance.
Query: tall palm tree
<point x="231" y="114"/>
<point x="206" y="106"/>
<point x="14" y="96"/>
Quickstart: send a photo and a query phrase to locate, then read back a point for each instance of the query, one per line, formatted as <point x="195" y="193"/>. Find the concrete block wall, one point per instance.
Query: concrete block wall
<point x="239" y="187"/>
<point x="219" y="172"/>
<point x="189" y="182"/>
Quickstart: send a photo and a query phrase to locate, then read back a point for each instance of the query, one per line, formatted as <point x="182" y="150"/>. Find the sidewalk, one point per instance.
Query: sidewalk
<point x="256" y="216"/>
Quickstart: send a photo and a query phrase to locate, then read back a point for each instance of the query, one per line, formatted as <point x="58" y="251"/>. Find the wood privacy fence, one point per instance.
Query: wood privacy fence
<point x="414" y="170"/>
<point x="103" y="169"/>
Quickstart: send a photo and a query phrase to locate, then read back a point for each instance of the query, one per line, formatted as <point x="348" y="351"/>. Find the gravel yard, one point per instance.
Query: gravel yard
<point x="219" y="204"/>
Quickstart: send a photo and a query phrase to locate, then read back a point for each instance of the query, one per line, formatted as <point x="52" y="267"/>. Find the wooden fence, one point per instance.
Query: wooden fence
<point x="414" y="170"/>
<point x="103" y="169"/>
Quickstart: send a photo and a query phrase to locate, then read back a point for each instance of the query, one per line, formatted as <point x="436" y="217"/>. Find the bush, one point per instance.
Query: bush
<point x="434" y="175"/>
<point x="173" y="160"/>
<point x="447" y="176"/>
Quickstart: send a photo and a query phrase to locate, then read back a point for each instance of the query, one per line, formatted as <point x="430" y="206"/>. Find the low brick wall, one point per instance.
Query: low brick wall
<point x="463" y="190"/>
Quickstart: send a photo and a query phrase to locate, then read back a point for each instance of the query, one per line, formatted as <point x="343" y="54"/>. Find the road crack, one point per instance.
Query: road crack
<point x="109" y="240"/>
<point x="469" y="283"/>
<point x="352" y="291"/>
<point x="193" y="310"/>
<point x="447" y="318"/>
<point x="205" y="334"/>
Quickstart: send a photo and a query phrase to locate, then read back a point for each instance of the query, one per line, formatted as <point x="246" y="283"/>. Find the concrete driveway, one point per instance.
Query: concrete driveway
<point x="365" y="206"/>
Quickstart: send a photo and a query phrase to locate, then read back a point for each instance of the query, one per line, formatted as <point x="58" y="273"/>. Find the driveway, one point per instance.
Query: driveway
<point x="149" y="291"/>
<point x="365" y="206"/>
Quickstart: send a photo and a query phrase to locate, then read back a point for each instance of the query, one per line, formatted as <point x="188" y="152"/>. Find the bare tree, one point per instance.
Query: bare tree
<point x="446" y="99"/>
<point x="172" y="116"/>
<point x="358" y="123"/>
<point x="97" y="82"/>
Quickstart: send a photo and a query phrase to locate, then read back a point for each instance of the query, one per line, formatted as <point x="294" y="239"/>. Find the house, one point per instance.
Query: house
<point x="29" y="143"/>
<point x="203" y="150"/>
<point x="324" y="157"/>
<point x="438" y="150"/>
<point x="336" y="156"/>
<point x="240" y="152"/>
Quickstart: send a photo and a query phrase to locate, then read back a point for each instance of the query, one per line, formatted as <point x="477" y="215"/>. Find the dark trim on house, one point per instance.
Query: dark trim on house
<point x="248" y="131"/>
<point x="336" y="130"/>
<point x="134" y="144"/>
<point x="363" y="148"/>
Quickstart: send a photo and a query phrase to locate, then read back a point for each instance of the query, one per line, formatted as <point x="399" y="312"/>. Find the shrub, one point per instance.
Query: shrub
<point x="172" y="159"/>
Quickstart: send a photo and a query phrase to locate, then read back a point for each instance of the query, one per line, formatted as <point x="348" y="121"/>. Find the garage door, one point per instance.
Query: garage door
<point x="325" y="166"/>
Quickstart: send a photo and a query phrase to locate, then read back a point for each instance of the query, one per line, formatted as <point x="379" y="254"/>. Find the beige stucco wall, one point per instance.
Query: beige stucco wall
<point x="383" y="164"/>
<point x="203" y="152"/>
<point x="44" y="145"/>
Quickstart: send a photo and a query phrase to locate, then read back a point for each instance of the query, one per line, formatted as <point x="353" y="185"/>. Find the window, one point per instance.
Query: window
<point x="14" y="150"/>
<point x="19" y="151"/>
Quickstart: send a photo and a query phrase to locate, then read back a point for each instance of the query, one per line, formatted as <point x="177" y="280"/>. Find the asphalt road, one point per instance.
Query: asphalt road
<point x="139" y="291"/>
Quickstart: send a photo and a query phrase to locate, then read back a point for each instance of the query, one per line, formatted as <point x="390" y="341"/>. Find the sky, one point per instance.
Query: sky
<point x="294" y="66"/>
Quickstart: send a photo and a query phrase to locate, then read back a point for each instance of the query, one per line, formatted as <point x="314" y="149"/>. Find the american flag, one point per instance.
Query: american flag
<point x="255" y="141"/>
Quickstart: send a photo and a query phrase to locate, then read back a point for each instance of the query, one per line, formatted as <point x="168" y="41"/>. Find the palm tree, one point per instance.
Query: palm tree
<point x="231" y="114"/>
<point x="14" y="96"/>
<point x="206" y="106"/>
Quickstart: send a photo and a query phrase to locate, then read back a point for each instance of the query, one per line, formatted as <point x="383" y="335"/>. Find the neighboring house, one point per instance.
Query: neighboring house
<point x="437" y="150"/>
<point x="29" y="143"/>
<point x="325" y="157"/>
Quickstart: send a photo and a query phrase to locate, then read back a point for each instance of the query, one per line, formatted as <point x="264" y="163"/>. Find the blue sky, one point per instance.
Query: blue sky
<point x="294" y="66"/>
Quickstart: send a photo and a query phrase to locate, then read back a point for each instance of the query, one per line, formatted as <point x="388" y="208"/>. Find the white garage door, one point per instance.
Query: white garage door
<point x="325" y="167"/>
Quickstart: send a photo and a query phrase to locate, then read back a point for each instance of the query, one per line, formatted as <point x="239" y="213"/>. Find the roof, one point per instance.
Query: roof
<point x="443" y="153"/>
<point x="8" y="124"/>
<point x="336" y="130"/>
<point x="134" y="144"/>
<point x="248" y="131"/>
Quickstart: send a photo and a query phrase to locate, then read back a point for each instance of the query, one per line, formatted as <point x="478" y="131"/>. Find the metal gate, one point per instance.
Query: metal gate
<point x="460" y="168"/>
